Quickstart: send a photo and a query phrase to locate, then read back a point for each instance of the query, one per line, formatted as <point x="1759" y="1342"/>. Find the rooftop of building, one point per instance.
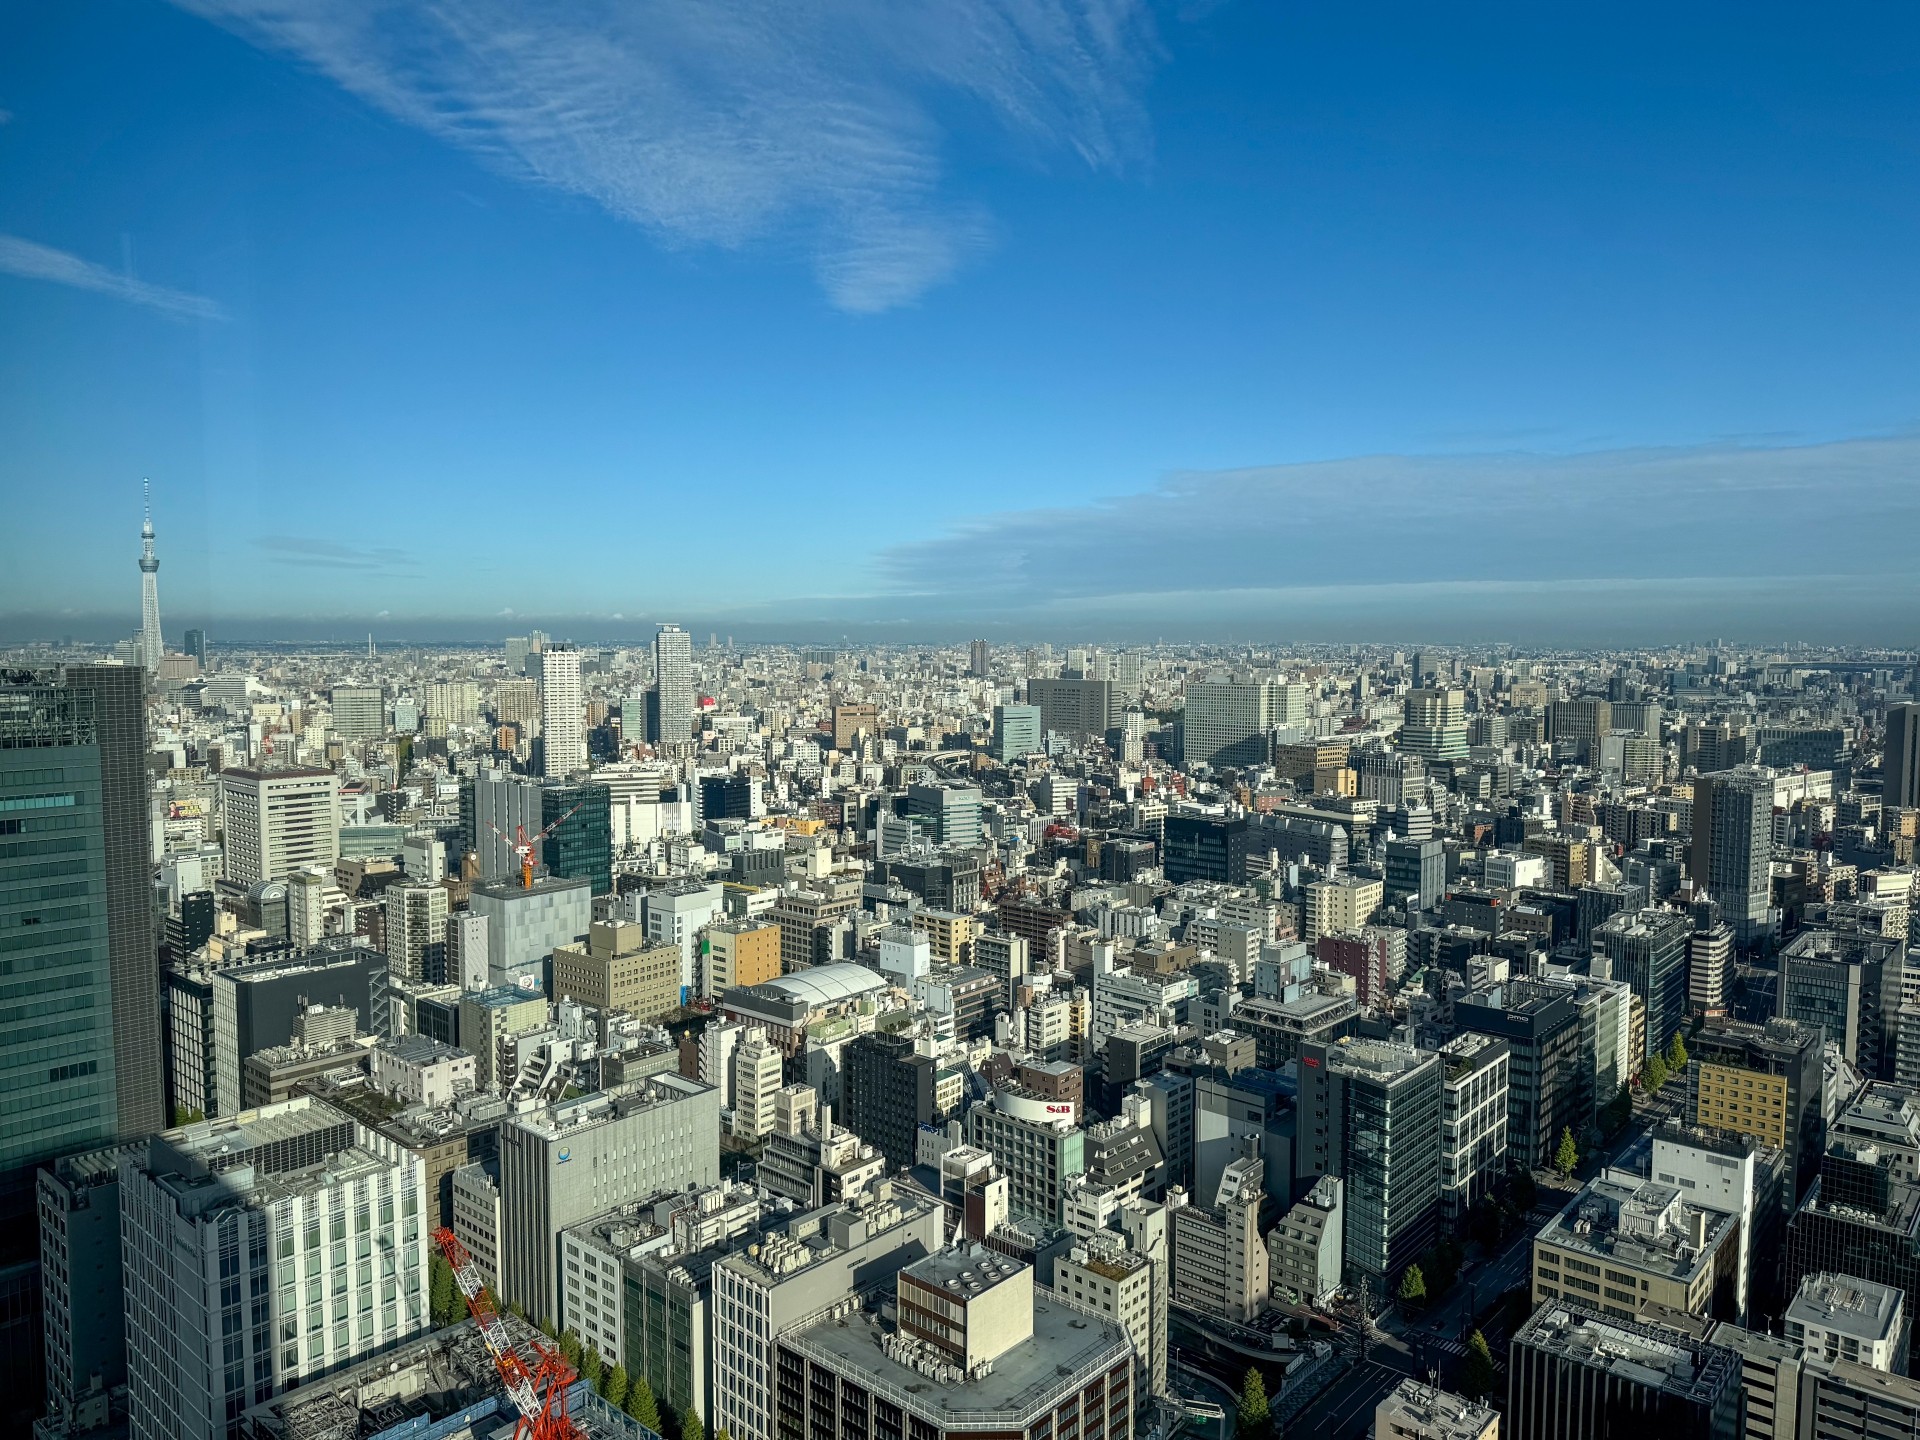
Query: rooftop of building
<point x="1436" y="1414"/>
<point x="1643" y="1354"/>
<point x="820" y="985"/>
<point x="227" y="1160"/>
<point x="543" y="885"/>
<point x="1887" y="1112"/>
<point x="1645" y="1224"/>
<point x="603" y="1107"/>
<point x="1847" y="1305"/>
<point x="421" y="1050"/>
<point x="964" y="1270"/>
<point x="814" y="1235"/>
<point x="333" y="950"/>
<point x="1465" y="1053"/>
<point x="498" y="997"/>
<point x="1108" y="1258"/>
<point x="1380" y="1059"/>
<point x="422" y="1383"/>
<point x="1068" y="1349"/>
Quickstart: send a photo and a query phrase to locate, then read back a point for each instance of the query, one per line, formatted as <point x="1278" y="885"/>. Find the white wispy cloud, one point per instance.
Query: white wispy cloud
<point x="727" y="122"/>
<point x="1620" y="516"/>
<point x="31" y="261"/>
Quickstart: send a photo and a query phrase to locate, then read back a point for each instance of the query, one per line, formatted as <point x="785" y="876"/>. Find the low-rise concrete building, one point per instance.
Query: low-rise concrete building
<point x="1420" y="1412"/>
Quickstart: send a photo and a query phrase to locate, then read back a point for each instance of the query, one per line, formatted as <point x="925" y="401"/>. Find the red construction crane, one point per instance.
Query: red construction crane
<point x="539" y="1391"/>
<point x="522" y="847"/>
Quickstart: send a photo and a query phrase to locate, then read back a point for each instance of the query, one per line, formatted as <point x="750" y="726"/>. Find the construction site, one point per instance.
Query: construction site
<point x="444" y="1386"/>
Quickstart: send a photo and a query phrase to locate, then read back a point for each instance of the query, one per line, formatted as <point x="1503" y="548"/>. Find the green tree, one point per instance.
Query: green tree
<point x="1477" y="1374"/>
<point x="1413" y="1286"/>
<point x="1254" y="1420"/>
<point x="444" y="1295"/>
<point x="691" y="1426"/>
<point x="1568" y="1155"/>
<point x="546" y="1328"/>
<point x="1654" y="1076"/>
<point x="570" y="1348"/>
<point x="1677" y="1054"/>
<point x="614" y="1387"/>
<point x="592" y="1368"/>
<point x="642" y="1406"/>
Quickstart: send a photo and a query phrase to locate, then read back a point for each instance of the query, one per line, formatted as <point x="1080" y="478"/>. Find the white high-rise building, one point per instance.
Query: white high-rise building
<point x="151" y="646"/>
<point x="673" y="683"/>
<point x="276" y="821"/>
<point x="259" y="1252"/>
<point x="416" y="931"/>
<point x="562" y="713"/>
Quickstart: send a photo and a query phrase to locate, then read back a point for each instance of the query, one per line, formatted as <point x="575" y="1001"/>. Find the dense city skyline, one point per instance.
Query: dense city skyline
<point x="965" y="720"/>
<point x="965" y="352"/>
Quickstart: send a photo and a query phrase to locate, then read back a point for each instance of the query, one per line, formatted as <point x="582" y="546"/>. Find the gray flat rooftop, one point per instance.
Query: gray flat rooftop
<point x="1845" y="1305"/>
<point x="1068" y="1348"/>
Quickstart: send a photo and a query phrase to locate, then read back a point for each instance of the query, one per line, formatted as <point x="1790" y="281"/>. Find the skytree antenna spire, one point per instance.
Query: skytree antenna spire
<point x="151" y="646"/>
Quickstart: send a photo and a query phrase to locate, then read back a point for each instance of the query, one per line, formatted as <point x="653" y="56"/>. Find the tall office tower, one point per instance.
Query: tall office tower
<point x="1900" y="771"/>
<point x="517" y="703"/>
<point x="673" y="685"/>
<point x="1710" y="973"/>
<point x="1416" y="872"/>
<point x="1542" y="1029"/>
<point x="889" y="1094"/>
<point x="1762" y="1081"/>
<point x="518" y="649"/>
<point x="582" y="1157"/>
<point x="455" y="701"/>
<point x="951" y="813"/>
<point x="1858" y="1218"/>
<point x="196" y="646"/>
<point x="152" y="648"/>
<point x="563" y="715"/>
<point x="765" y="1291"/>
<point x="120" y="727"/>
<point x="277" y="821"/>
<point x="1435" y="725"/>
<point x="1205" y="847"/>
<point x="1016" y="732"/>
<point x="1227" y="722"/>
<point x="578" y="820"/>
<point x="1220" y="1263"/>
<point x="1375" y="1113"/>
<point x="1076" y="709"/>
<point x="1580" y="724"/>
<point x="80" y="1272"/>
<point x="1732" y="852"/>
<point x="417" y="932"/>
<point x="259" y="1252"/>
<point x="57" y="1061"/>
<point x="1648" y="949"/>
<point x="359" y="711"/>
<point x="1473" y="1134"/>
<point x="495" y="806"/>
<point x="977" y="660"/>
<point x="1576" y="1375"/>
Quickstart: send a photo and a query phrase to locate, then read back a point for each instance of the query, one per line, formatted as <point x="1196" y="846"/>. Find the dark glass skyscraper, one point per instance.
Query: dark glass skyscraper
<point x="580" y="846"/>
<point x="120" y="717"/>
<point x="57" y="1061"/>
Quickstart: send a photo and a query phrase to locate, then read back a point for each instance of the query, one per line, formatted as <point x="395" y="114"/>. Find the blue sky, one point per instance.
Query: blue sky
<point x="1099" y="319"/>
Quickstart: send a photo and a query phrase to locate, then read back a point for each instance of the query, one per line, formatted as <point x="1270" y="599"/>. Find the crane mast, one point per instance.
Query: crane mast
<point x="538" y="1391"/>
